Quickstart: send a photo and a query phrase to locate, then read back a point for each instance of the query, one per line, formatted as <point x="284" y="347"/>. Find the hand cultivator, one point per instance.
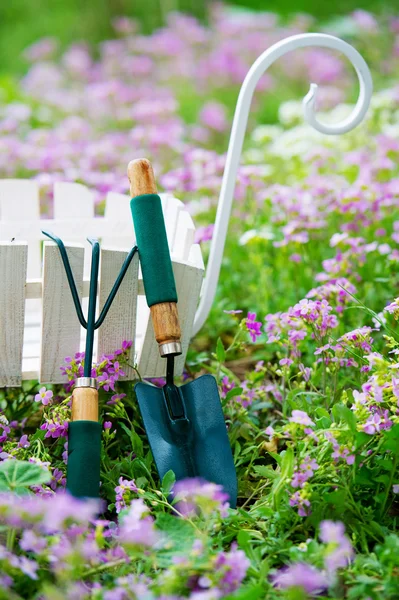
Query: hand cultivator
<point x="84" y="438"/>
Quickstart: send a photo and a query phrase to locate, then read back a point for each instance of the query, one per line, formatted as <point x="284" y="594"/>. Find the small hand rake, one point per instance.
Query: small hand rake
<point x="185" y="425"/>
<point x="84" y="432"/>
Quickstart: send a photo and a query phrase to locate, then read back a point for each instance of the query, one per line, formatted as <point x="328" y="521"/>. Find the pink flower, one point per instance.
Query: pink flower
<point x="23" y="442"/>
<point x="44" y="396"/>
<point x="301" y="575"/>
<point x="213" y="115"/>
<point x="136" y="530"/>
<point x="253" y="326"/>
<point x="301" y="417"/>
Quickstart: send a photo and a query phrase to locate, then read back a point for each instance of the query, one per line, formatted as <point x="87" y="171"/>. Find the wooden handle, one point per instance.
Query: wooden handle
<point x="141" y="177"/>
<point x="84" y="404"/>
<point x="165" y="318"/>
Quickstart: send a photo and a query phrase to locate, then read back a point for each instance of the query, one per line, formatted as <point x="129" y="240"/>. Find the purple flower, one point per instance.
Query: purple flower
<point x="204" y="234"/>
<point x="107" y="424"/>
<point x="123" y="493"/>
<point x="195" y="493"/>
<point x="23" y="442"/>
<point x="340" y="551"/>
<point x="115" y="398"/>
<point x="309" y="465"/>
<point x="299" y="479"/>
<point x="44" y="396"/>
<point x="116" y="370"/>
<point x="30" y="542"/>
<point x="301" y="418"/>
<point x="135" y="529"/>
<point x="301" y="502"/>
<point x="213" y="115"/>
<point x="232" y="568"/>
<point x="253" y="326"/>
<point x="301" y="575"/>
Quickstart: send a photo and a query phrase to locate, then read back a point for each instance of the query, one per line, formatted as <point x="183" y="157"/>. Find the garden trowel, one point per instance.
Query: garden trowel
<point x="185" y="425"/>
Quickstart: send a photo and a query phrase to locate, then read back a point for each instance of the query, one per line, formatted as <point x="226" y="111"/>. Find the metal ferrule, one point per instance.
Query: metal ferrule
<point x="86" y="382"/>
<point x="170" y="349"/>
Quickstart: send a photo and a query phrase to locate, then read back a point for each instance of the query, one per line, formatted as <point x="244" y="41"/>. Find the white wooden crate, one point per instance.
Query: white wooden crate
<point x="38" y="323"/>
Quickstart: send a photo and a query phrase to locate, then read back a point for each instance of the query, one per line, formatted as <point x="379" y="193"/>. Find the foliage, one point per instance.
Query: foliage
<point x="302" y="337"/>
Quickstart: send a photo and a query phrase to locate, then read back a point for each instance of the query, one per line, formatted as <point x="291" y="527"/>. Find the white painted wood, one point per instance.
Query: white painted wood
<point x="188" y="280"/>
<point x="51" y="330"/>
<point x="120" y="322"/>
<point x="60" y="326"/>
<point x="71" y="200"/>
<point x="19" y="202"/>
<point x="184" y="237"/>
<point x="19" y="199"/>
<point x="13" y="268"/>
<point x="118" y="225"/>
<point x="171" y="215"/>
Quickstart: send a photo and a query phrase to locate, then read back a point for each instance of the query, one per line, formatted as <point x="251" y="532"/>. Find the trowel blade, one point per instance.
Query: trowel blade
<point x="194" y="446"/>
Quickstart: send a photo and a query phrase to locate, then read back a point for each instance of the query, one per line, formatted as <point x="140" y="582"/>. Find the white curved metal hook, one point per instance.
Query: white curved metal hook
<point x="237" y="138"/>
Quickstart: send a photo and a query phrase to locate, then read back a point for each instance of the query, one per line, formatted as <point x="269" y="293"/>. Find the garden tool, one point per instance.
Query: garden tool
<point x="185" y="425"/>
<point x="84" y="431"/>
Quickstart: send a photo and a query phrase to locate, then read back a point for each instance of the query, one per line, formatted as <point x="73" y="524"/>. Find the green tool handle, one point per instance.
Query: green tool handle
<point x="84" y="442"/>
<point x="84" y="452"/>
<point x="156" y="265"/>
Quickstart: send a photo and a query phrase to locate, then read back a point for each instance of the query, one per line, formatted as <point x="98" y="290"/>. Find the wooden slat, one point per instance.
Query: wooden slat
<point x="118" y="223"/>
<point x="60" y="326"/>
<point x="20" y="206"/>
<point x="171" y="216"/>
<point x="188" y="284"/>
<point x="73" y="201"/>
<point x="120" y="322"/>
<point x="184" y="236"/>
<point x="19" y="199"/>
<point x="13" y="268"/>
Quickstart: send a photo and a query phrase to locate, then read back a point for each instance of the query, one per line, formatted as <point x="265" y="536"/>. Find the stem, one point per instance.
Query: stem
<point x="107" y="566"/>
<point x="395" y="463"/>
<point x="11" y="538"/>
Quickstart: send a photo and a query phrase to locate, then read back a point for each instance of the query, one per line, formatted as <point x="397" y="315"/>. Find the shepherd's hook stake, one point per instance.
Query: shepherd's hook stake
<point x="238" y="131"/>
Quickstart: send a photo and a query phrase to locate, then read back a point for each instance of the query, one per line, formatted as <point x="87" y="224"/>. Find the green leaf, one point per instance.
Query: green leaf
<point x="17" y="474"/>
<point x="168" y="482"/>
<point x="286" y="470"/>
<point x="265" y="472"/>
<point x="248" y="593"/>
<point x="345" y="414"/>
<point x="220" y="351"/>
<point x="392" y="439"/>
<point x="234" y="392"/>
<point x="243" y="538"/>
<point x="180" y="538"/>
<point x="137" y="444"/>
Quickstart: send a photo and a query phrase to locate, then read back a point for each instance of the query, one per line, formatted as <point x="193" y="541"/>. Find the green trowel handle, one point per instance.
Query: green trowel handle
<point x="156" y="265"/>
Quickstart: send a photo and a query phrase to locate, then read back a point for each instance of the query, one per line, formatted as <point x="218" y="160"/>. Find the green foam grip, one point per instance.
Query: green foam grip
<point x="84" y="452"/>
<point x="156" y="266"/>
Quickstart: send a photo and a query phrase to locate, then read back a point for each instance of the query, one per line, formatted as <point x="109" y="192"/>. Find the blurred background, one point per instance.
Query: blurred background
<point x="22" y="22"/>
